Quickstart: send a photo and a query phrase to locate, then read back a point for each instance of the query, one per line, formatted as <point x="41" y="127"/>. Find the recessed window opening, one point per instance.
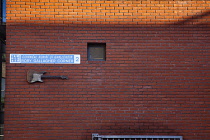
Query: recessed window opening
<point x="96" y="51"/>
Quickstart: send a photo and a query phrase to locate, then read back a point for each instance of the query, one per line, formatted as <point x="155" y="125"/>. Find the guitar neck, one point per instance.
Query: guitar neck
<point x="54" y="77"/>
<point x="48" y="76"/>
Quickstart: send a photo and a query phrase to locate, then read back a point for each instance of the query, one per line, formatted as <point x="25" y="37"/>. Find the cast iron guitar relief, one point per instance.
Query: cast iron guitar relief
<point x="33" y="76"/>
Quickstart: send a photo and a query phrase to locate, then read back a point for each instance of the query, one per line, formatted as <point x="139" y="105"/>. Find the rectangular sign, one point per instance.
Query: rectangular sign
<point x="45" y="58"/>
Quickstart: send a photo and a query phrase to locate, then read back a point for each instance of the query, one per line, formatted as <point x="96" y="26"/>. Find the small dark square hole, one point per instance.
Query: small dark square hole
<point x="96" y="51"/>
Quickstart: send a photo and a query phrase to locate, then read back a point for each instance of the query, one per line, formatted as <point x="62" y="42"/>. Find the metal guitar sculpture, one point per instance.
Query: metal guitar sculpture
<point x="33" y="76"/>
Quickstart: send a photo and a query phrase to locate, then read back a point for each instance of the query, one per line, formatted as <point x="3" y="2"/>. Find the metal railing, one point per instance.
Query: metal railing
<point x="96" y="136"/>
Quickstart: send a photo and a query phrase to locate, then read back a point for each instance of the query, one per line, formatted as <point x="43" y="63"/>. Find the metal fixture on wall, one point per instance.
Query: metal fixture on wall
<point x="134" y="137"/>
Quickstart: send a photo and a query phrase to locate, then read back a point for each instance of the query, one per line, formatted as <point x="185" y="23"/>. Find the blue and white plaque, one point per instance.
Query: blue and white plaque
<point x="45" y="58"/>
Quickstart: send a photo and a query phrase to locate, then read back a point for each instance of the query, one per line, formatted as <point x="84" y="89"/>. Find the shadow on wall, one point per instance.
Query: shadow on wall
<point x="193" y="19"/>
<point x="138" y="128"/>
<point x="51" y="38"/>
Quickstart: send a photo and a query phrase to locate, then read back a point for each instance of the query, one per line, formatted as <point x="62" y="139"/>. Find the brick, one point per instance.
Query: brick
<point x="155" y="76"/>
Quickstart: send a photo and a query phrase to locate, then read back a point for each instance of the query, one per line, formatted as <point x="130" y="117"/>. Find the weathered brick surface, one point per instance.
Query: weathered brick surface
<point x="155" y="80"/>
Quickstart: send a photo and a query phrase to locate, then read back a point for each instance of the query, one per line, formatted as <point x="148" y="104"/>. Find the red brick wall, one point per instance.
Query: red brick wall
<point x="155" y="80"/>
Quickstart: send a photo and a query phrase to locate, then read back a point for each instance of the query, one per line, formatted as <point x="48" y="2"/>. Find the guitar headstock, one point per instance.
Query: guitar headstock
<point x="64" y="77"/>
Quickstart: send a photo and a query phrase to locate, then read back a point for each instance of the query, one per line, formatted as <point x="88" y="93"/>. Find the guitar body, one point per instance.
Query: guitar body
<point x="33" y="76"/>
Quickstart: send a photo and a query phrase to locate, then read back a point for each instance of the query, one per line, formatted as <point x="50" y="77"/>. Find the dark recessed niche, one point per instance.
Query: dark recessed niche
<point x="96" y="51"/>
